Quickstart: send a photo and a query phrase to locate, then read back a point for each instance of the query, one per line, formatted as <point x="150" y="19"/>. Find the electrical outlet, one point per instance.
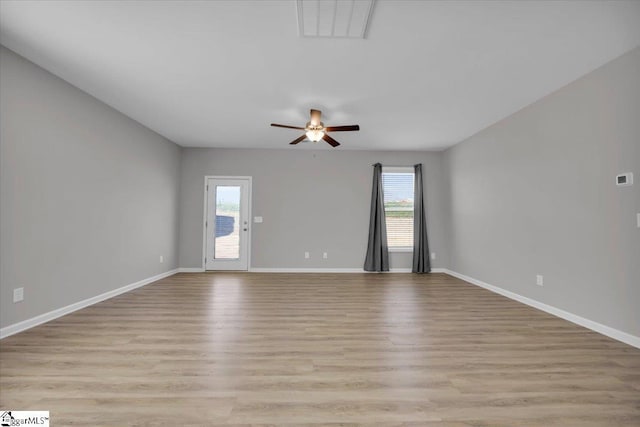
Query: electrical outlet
<point x="18" y="294"/>
<point x="539" y="280"/>
<point x="161" y="259"/>
<point x="306" y="255"/>
<point x="433" y="255"/>
<point x="324" y="255"/>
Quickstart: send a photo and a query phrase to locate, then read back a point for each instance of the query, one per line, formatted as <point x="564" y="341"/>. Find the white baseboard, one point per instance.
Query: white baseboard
<point x="309" y="270"/>
<point x="332" y="270"/>
<point x="589" y="324"/>
<point x="305" y="270"/>
<point x="54" y="314"/>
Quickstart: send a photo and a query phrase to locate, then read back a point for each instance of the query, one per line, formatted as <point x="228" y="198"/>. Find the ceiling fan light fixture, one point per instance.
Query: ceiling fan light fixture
<point x="314" y="135"/>
<point x="314" y="130"/>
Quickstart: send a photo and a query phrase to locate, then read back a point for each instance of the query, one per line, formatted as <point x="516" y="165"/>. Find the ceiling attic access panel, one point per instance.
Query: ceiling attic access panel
<point x="334" y="19"/>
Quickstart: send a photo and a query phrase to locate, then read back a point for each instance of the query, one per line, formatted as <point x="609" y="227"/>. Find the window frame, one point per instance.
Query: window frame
<point x="399" y="169"/>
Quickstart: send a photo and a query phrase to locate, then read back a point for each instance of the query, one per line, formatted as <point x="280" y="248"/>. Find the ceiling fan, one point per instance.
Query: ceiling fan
<point x="315" y="130"/>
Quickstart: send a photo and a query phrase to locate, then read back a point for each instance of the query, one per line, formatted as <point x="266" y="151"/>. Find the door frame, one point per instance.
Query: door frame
<point x="204" y="217"/>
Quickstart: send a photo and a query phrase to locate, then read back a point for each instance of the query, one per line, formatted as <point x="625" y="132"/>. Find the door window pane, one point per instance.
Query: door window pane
<point x="227" y="238"/>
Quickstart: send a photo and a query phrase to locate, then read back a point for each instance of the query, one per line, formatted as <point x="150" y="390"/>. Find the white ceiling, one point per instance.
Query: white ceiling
<point x="216" y="74"/>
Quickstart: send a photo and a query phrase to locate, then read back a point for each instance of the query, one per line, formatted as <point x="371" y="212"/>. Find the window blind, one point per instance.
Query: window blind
<point x="398" y="208"/>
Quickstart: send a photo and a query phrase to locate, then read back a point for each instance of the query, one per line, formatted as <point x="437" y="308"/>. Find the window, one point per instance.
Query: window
<point x="397" y="186"/>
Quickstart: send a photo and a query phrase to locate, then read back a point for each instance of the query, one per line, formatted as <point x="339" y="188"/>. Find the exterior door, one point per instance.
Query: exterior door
<point x="227" y="223"/>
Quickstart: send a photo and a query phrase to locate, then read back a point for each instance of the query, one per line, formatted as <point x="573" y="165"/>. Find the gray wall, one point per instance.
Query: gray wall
<point x="535" y="194"/>
<point x="311" y="200"/>
<point x="89" y="197"/>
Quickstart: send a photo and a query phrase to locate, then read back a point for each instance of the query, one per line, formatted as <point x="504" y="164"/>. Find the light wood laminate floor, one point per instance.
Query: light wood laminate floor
<point x="240" y="349"/>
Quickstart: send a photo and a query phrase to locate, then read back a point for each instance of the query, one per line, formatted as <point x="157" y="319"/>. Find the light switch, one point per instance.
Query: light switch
<point x="257" y="219"/>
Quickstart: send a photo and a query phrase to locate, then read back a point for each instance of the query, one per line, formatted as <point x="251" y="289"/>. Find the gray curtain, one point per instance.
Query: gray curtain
<point x="377" y="258"/>
<point x="421" y="261"/>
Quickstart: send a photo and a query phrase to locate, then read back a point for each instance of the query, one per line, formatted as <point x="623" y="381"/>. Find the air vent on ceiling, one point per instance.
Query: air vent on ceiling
<point x="337" y="18"/>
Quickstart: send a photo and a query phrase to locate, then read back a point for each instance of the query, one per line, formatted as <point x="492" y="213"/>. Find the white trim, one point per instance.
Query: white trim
<point x="59" y="312"/>
<point x="249" y="217"/>
<point x="305" y="270"/>
<point x="204" y="222"/>
<point x="333" y="270"/>
<point x="310" y="270"/>
<point x="408" y="270"/>
<point x="616" y="334"/>
<point x="405" y="170"/>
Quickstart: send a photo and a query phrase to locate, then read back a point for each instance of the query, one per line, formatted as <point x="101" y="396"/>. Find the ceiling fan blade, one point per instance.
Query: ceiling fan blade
<point x="315" y="117"/>
<point x="330" y="140"/>
<point x="286" y="126"/>
<point x="295" y="141"/>
<point x="342" y="128"/>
